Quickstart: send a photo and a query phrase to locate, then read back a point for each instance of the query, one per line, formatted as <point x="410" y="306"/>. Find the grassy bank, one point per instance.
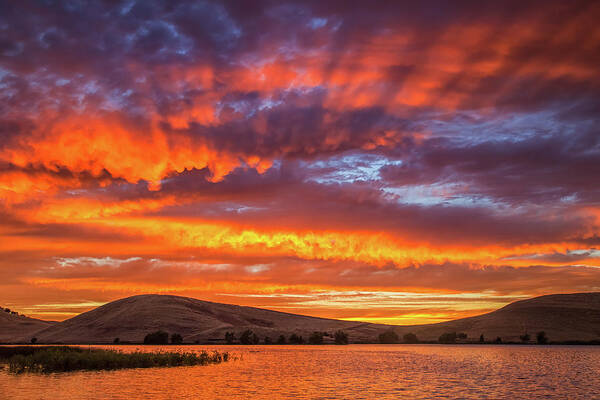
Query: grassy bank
<point x="64" y="358"/>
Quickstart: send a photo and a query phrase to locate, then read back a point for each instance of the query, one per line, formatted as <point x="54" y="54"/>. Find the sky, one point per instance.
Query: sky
<point x="384" y="161"/>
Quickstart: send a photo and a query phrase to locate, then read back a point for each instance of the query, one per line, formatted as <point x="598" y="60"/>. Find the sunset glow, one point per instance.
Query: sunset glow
<point x="392" y="166"/>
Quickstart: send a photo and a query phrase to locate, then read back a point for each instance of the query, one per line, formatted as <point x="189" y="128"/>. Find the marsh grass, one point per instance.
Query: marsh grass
<point x="64" y="358"/>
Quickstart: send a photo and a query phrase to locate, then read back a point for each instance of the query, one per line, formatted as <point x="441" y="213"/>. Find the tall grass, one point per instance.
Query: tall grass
<point x="64" y="358"/>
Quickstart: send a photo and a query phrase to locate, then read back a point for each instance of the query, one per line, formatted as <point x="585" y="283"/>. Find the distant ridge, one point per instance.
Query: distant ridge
<point x="563" y="317"/>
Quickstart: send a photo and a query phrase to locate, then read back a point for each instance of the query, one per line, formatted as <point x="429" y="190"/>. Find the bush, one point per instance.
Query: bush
<point x="246" y="337"/>
<point x="389" y="337"/>
<point x="255" y="339"/>
<point x="461" y="336"/>
<point x="542" y="338"/>
<point x="525" y="337"/>
<point x="176" y="338"/>
<point x="315" y="338"/>
<point x="296" y="339"/>
<point x="498" y="340"/>
<point x="268" y="340"/>
<point x="281" y="339"/>
<point x="229" y="337"/>
<point x="33" y="340"/>
<point x="447" y="338"/>
<point x="158" y="337"/>
<point x="481" y="338"/>
<point x="340" y="337"/>
<point x="410" y="338"/>
<point x="117" y="340"/>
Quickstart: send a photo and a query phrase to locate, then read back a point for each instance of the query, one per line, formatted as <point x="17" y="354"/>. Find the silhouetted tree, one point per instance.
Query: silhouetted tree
<point x="281" y="339"/>
<point x="315" y="338"/>
<point x="410" y="338"/>
<point x="158" y="337"/>
<point x="296" y="339"/>
<point x="447" y="338"/>
<point x="229" y="337"/>
<point x="340" y="337"/>
<point x="255" y="339"/>
<point x="246" y="337"/>
<point x="176" y="338"/>
<point x="481" y="338"/>
<point x="33" y="340"/>
<point x="461" y="336"/>
<point x="542" y="338"/>
<point x="525" y="337"/>
<point x="389" y="337"/>
<point x="116" y="341"/>
<point x="268" y="340"/>
<point x="498" y="340"/>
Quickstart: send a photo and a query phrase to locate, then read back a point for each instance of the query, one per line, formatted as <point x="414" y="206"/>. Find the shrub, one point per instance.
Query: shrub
<point x="229" y="337"/>
<point x="268" y="340"/>
<point x="389" y="337"/>
<point x="296" y="339"/>
<point x="158" y="337"/>
<point x="498" y="340"/>
<point x="176" y="338"/>
<point x="340" y="337"/>
<point x="542" y="338"/>
<point x="315" y="338"/>
<point x="447" y="338"/>
<point x="117" y="340"/>
<point x="255" y="339"/>
<point x="281" y="339"/>
<point x="481" y="338"/>
<point x="33" y="340"/>
<point x="410" y="338"/>
<point x="461" y="336"/>
<point x="525" y="337"/>
<point x="246" y="337"/>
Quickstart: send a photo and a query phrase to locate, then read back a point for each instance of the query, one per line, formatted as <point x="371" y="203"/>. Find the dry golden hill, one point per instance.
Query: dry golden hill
<point x="562" y="316"/>
<point x="19" y="326"/>
<point x="130" y="319"/>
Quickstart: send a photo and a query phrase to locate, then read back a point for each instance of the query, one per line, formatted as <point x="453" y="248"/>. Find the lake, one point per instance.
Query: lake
<point x="338" y="372"/>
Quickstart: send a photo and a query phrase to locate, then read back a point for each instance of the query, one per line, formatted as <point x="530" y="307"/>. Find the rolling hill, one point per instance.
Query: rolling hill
<point x="19" y="326"/>
<point x="563" y="317"/>
<point x="130" y="319"/>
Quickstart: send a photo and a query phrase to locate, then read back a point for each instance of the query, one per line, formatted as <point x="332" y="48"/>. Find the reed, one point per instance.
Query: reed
<point x="66" y="358"/>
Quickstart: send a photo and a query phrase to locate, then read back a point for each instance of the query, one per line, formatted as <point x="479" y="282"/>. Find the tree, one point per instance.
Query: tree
<point x="389" y="337"/>
<point x="447" y="338"/>
<point x="116" y="341"/>
<point x="461" y="336"/>
<point x="410" y="338"/>
<point x="158" y="337"/>
<point x="229" y="337"/>
<point x="542" y="338"/>
<point x="340" y="337"/>
<point x="296" y="339"/>
<point x="246" y="337"/>
<point x="525" y="337"/>
<point x="498" y="340"/>
<point x="281" y="339"/>
<point x="33" y="340"/>
<point x="481" y="339"/>
<point x="176" y="338"/>
<point x="316" y="338"/>
<point x="268" y="340"/>
<point x="255" y="339"/>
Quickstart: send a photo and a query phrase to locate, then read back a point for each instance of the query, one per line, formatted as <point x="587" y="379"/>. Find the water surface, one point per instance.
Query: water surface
<point x="338" y="372"/>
